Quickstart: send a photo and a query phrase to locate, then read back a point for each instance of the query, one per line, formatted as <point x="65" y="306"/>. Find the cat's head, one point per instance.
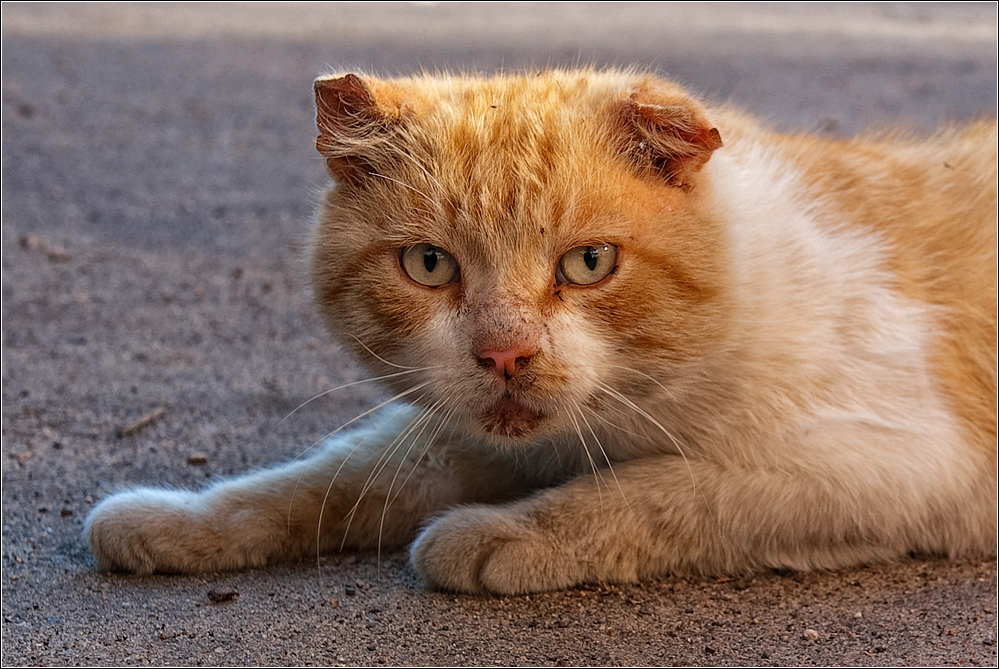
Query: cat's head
<point x="519" y="253"/>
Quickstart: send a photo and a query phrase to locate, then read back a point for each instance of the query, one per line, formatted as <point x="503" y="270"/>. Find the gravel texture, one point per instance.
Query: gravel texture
<point x="159" y="178"/>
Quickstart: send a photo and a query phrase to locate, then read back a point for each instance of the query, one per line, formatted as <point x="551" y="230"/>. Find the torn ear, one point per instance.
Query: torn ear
<point x="670" y="132"/>
<point x="352" y="115"/>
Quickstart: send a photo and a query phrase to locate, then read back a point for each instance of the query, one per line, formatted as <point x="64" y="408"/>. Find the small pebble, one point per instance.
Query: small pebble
<point x="811" y="635"/>
<point x="219" y="596"/>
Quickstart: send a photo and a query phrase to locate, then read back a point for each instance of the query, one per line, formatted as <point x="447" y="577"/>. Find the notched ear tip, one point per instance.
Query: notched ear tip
<point x="352" y="113"/>
<point x="344" y="83"/>
<point x="714" y="139"/>
<point x="683" y="121"/>
<point x="673" y="131"/>
<point x="343" y="97"/>
<point x="344" y="107"/>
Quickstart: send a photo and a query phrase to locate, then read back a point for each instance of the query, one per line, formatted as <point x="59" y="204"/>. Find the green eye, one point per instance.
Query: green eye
<point x="585" y="265"/>
<point x="428" y="265"/>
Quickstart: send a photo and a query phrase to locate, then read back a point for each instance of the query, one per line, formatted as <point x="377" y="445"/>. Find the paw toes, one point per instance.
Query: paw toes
<point x="140" y="531"/>
<point x="488" y="550"/>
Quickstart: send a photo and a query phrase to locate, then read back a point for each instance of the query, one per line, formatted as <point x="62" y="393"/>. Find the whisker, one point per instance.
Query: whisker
<point x="676" y="442"/>
<point x="379" y="466"/>
<point x="597" y="477"/>
<point x="383" y="360"/>
<point x="373" y="379"/>
<point x="425" y="420"/>
<point x="353" y="450"/>
<point x="369" y="412"/>
<point x="433" y="180"/>
<point x="431" y="440"/>
<point x="650" y="378"/>
<point x="329" y="488"/>
<point x="610" y="466"/>
<point x="607" y="422"/>
<point x="642" y="412"/>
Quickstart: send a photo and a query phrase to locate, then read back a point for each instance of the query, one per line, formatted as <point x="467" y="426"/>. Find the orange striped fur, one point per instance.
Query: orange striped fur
<point x="626" y="334"/>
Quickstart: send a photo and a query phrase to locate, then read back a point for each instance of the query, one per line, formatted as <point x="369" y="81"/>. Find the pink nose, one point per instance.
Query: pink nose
<point x="506" y="363"/>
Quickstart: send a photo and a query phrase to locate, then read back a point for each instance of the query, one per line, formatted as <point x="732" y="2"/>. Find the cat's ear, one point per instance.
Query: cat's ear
<point x="352" y="115"/>
<point x="669" y="131"/>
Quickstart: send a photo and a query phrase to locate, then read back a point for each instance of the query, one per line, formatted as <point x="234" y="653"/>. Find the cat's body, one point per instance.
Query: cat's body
<point x="630" y="350"/>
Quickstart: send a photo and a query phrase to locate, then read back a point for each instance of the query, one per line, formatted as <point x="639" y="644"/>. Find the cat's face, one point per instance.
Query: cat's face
<point x="518" y="254"/>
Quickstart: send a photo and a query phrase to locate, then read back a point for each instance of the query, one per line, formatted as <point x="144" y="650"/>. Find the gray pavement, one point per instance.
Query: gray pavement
<point x="158" y="182"/>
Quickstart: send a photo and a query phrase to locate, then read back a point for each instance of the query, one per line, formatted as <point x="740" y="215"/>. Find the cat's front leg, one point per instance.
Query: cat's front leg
<point x="580" y="532"/>
<point x="361" y="490"/>
<point x="665" y="515"/>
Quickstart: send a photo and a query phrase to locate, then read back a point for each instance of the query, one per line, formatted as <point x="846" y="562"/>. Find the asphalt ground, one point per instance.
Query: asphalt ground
<point x="158" y="181"/>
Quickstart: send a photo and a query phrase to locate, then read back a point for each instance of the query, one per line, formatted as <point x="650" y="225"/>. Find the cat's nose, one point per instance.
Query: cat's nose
<point x="506" y="363"/>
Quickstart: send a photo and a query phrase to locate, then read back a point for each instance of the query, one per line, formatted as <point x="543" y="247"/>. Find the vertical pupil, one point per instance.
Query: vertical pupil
<point x="590" y="257"/>
<point x="430" y="258"/>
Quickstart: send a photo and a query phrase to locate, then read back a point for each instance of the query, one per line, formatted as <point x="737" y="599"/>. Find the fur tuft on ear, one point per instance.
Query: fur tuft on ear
<point x="670" y="132"/>
<point x="351" y="114"/>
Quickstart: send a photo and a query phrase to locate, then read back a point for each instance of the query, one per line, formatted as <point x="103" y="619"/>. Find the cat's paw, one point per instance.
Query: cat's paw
<point x="492" y="549"/>
<point x="148" y="530"/>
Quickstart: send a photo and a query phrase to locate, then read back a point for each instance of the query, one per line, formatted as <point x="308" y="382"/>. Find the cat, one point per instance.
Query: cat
<point x="626" y="335"/>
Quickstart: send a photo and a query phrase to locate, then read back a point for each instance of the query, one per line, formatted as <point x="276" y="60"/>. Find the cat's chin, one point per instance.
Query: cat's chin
<point x="511" y="419"/>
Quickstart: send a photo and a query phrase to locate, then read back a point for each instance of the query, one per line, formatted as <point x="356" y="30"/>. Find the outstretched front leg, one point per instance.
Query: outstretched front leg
<point x="361" y="490"/>
<point x="664" y="515"/>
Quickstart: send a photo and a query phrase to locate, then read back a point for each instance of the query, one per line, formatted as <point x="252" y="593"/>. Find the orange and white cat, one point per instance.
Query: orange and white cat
<point x="626" y="335"/>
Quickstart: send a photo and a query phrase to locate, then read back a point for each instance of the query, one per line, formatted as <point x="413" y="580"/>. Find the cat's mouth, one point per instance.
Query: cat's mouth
<point x="510" y="418"/>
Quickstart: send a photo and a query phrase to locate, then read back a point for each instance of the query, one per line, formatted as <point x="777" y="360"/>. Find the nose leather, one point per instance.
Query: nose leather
<point x="506" y="363"/>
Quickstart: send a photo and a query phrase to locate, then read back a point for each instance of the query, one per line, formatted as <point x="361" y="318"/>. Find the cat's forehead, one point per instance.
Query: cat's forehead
<point x="515" y="118"/>
<point x="547" y="88"/>
<point x="511" y="158"/>
<point x="516" y="103"/>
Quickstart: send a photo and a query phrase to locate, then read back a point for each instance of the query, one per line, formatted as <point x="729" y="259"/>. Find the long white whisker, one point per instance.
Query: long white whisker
<point x="676" y="442"/>
<point x="373" y="379"/>
<point x="593" y="465"/>
<point x="352" y="451"/>
<point x="380" y="465"/>
<point x="608" y="423"/>
<point x="371" y="411"/>
<point x="650" y="378"/>
<point x="645" y="414"/>
<point x="434" y="180"/>
<point x="383" y="360"/>
<point x="431" y="440"/>
<point x="425" y="420"/>
<point x="610" y="466"/>
<point x="329" y="488"/>
<point x="642" y="412"/>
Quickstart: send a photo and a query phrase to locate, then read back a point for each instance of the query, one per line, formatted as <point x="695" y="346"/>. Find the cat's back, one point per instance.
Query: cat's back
<point x="932" y="199"/>
<point x="930" y="204"/>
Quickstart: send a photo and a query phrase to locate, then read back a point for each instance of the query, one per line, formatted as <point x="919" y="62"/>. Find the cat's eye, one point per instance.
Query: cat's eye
<point x="429" y="265"/>
<point x="585" y="265"/>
